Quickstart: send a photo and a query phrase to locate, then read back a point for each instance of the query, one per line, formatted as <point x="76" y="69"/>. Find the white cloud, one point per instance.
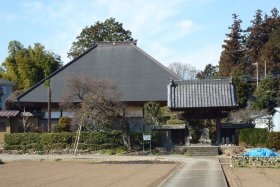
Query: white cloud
<point x="9" y="17"/>
<point x="34" y="6"/>
<point x="159" y="52"/>
<point x="186" y="25"/>
<point x="151" y="22"/>
<point x="208" y="54"/>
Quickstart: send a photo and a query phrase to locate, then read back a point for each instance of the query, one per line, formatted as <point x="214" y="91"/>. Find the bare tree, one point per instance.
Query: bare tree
<point x="258" y="117"/>
<point x="11" y="103"/>
<point x="94" y="102"/>
<point x="241" y="116"/>
<point x="25" y="116"/>
<point x="185" y="71"/>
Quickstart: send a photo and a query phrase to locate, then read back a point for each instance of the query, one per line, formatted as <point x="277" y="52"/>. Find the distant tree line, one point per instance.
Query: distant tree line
<point x="25" y="66"/>
<point x="245" y="51"/>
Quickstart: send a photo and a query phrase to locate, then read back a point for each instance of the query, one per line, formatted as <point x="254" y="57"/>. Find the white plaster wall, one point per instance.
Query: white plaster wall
<point x="276" y="122"/>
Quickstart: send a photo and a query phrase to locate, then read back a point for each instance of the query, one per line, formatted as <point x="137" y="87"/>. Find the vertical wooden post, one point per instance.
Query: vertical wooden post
<point x="236" y="137"/>
<point x="218" y="131"/>
<point x="187" y="131"/>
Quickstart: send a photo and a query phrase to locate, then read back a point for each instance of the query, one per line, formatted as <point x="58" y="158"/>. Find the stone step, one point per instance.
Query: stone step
<point x="203" y="151"/>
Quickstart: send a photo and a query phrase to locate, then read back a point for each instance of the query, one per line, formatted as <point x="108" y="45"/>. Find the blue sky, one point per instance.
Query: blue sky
<point x="188" y="31"/>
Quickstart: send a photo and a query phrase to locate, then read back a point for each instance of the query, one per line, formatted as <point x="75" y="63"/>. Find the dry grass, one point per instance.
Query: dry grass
<point x="232" y="150"/>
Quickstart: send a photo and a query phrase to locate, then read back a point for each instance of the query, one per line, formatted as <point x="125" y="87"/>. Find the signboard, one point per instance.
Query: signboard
<point x="146" y="137"/>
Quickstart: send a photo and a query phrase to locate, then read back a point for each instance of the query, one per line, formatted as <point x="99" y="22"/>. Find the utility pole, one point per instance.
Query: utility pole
<point x="257" y="67"/>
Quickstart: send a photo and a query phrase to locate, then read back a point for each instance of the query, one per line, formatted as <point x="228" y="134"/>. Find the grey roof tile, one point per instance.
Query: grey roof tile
<point x="139" y="77"/>
<point x="201" y="94"/>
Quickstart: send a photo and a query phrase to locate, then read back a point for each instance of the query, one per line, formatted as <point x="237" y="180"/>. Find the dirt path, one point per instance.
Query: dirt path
<point x="255" y="177"/>
<point x="62" y="173"/>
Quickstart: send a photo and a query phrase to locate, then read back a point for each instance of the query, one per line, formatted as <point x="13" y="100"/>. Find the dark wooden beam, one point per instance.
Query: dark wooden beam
<point x="205" y="114"/>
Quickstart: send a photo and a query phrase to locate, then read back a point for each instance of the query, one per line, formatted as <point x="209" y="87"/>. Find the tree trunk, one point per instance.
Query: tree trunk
<point x="49" y="108"/>
<point x="126" y="134"/>
<point x="218" y="131"/>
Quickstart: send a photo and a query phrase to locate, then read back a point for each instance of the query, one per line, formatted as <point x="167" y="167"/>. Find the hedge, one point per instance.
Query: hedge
<point x="273" y="140"/>
<point x="260" y="137"/>
<point x="254" y="137"/>
<point x="64" y="140"/>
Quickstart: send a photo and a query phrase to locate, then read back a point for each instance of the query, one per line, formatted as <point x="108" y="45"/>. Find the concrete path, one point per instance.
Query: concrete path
<point x="197" y="172"/>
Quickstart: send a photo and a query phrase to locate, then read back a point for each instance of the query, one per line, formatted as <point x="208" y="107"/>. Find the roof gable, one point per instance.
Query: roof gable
<point x="139" y="77"/>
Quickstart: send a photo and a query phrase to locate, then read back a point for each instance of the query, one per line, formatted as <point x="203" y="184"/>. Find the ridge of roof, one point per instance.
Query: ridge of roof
<point x="116" y="43"/>
<point x="204" y="81"/>
<point x="56" y="72"/>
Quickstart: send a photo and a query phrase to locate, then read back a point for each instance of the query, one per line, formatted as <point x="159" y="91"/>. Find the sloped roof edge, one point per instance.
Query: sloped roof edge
<point x="157" y="62"/>
<point x="56" y="72"/>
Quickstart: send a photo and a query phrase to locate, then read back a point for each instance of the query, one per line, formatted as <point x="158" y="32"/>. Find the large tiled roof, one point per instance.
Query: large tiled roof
<point x="201" y="94"/>
<point x="139" y="77"/>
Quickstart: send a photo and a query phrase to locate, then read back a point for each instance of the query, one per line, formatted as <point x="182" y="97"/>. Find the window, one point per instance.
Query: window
<point x="2" y="127"/>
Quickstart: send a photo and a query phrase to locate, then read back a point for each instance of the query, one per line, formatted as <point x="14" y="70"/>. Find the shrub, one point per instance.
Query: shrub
<point x="109" y="140"/>
<point x="64" y="123"/>
<point x="253" y="137"/>
<point x="152" y="113"/>
<point x="65" y="137"/>
<point x="174" y="122"/>
<point x="56" y="128"/>
<point x="137" y="139"/>
<point x="21" y="138"/>
<point x="89" y="147"/>
<point x="273" y="140"/>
